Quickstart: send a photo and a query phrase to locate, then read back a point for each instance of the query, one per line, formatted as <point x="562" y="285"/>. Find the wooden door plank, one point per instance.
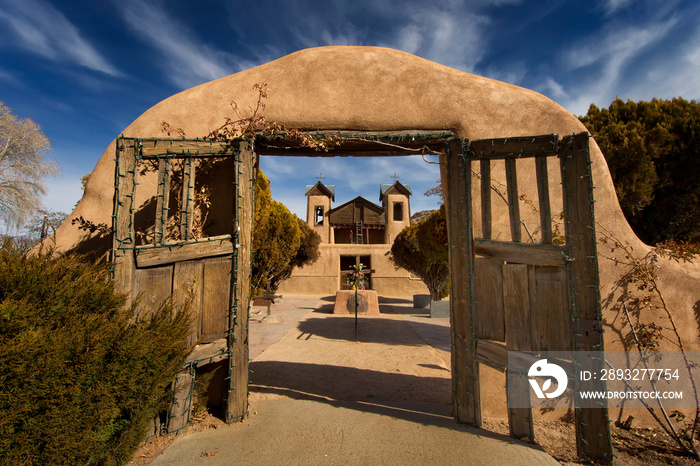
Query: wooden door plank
<point x="552" y="321"/>
<point x="163" y="147"/>
<point x="209" y="247"/>
<point x="237" y="399"/>
<point x="492" y="354"/>
<point x="216" y="294"/>
<point x="163" y="203"/>
<point x="516" y="301"/>
<point x="187" y="211"/>
<point x="124" y="236"/>
<point x="187" y="286"/>
<point x="521" y="253"/>
<point x="486" y="198"/>
<point x="152" y="287"/>
<point x="515" y="147"/>
<point x="593" y="430"/>
<point x="489" y="319"/>
<point x="513" y="200"/>
<point x="465" y="370"/>
<point x="179" y="414"/>
<point x="543" y="196"/>
<point x="520" y="420"/>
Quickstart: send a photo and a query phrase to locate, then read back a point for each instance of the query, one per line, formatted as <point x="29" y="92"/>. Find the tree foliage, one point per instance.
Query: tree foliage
<point x="281" y="241"/>
<point x="653" y="152"/>
<point x="79" y="382"/>
<point x="422" y="249"/>
<point x="307" y="253"/>
<point x="23" y="166"/>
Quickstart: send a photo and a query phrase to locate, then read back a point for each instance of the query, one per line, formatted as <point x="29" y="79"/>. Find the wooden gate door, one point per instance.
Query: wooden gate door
<point x="161" y="250"/>
<point x="535" y="289"/>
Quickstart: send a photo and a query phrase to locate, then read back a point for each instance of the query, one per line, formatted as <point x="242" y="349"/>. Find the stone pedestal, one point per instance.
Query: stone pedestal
<point x="368" y="296"/>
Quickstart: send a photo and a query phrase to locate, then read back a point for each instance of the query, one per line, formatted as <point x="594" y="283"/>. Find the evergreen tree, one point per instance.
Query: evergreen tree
<point x="281" y="241"/>
<point x="653" y="152"/>
<point x="422" y="249"/>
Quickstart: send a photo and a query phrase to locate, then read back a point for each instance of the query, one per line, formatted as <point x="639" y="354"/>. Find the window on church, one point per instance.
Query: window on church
<point x="398" y="211"/>
<point x="319" y="215"/>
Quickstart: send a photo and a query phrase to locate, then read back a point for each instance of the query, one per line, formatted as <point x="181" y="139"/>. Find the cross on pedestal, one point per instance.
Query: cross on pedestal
<point x="364" y="271"/>
<point x="269" y="298"/>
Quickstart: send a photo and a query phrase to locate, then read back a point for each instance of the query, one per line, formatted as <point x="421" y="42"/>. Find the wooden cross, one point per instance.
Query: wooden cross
<point x="394" y="177"/>
<point x="269" y="298"/>
<point x="320" y="176"/>
<point x="365" y="271"/>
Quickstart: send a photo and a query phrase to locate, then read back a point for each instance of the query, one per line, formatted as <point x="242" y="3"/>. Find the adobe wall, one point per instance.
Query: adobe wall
<point x="322" y="278"/>
<point x="368" y="88"/>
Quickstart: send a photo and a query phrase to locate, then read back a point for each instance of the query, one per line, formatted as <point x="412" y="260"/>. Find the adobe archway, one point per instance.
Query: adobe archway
<point x="374" y="89"/>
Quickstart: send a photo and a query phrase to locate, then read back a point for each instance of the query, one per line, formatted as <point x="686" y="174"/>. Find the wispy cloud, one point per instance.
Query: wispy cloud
<point x="450" y="36"/>
<point x="186" y="60"/>
<point x="41" y="29"/>
<point x="554" y="90"/>
<point x="352" y="177"/>
<point x="449" y="33"/>
<point x="676" y="76"/>
<point x="612" y="6"/>
<point x="10" y="78"/>
<point x="611" y="55"/>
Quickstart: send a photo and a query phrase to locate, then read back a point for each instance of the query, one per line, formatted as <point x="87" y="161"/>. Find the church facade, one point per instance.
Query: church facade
<point x="355" y="232"/>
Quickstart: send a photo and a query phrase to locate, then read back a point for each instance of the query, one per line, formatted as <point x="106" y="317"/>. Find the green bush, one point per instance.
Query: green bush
<point x="79" y="382"/>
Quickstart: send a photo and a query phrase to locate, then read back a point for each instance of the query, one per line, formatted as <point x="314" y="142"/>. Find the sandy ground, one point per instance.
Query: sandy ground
<point x="318" y="396"/>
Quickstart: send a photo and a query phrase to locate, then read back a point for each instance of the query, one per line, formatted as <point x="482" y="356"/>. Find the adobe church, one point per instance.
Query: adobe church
<point x="355" y="232"/>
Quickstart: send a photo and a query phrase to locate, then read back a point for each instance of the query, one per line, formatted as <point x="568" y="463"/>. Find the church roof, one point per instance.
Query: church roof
<point x="355" y="211"/>
<point x="328" y="190"/>
<point x="400" y="187"/>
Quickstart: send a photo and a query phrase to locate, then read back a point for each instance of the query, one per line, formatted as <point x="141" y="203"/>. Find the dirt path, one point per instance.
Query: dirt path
<point x="317" y="396"/>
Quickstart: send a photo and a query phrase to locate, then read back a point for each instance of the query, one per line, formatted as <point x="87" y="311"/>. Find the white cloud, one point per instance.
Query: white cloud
<point x="187" y="61"/>
<point x="40" y="28"/>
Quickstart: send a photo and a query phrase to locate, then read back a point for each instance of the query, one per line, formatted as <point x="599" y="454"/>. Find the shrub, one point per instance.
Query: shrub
<point x="421" y="248"/>
<point x="79" y="382"/>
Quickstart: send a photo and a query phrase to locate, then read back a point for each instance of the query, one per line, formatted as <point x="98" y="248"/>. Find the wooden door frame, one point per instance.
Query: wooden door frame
<point x="456" y="153"/>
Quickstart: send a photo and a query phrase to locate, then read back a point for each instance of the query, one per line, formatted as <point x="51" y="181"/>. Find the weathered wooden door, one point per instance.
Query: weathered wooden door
<point x="524" y="275"/>
<point x="163" y="248"/>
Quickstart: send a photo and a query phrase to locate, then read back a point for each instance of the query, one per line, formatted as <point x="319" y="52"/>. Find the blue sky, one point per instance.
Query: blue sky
<point x="85" y="69"/>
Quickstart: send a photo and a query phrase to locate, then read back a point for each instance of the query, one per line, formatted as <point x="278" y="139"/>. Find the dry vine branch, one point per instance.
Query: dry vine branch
<point x="642" y="274"/>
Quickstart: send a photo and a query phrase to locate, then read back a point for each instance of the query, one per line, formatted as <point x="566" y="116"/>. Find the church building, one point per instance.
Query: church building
<point x="355" y="232"/>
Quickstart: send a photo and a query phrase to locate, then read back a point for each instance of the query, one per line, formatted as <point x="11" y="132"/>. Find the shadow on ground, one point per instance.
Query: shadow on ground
<point x="370" y="329"/>
<point x="423" y="400"/>
<point x="349" y="383"/>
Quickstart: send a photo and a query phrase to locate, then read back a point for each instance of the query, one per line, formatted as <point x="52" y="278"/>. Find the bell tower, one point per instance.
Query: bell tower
<point x="319" y="201"/>
<point x="395" y="199"/>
